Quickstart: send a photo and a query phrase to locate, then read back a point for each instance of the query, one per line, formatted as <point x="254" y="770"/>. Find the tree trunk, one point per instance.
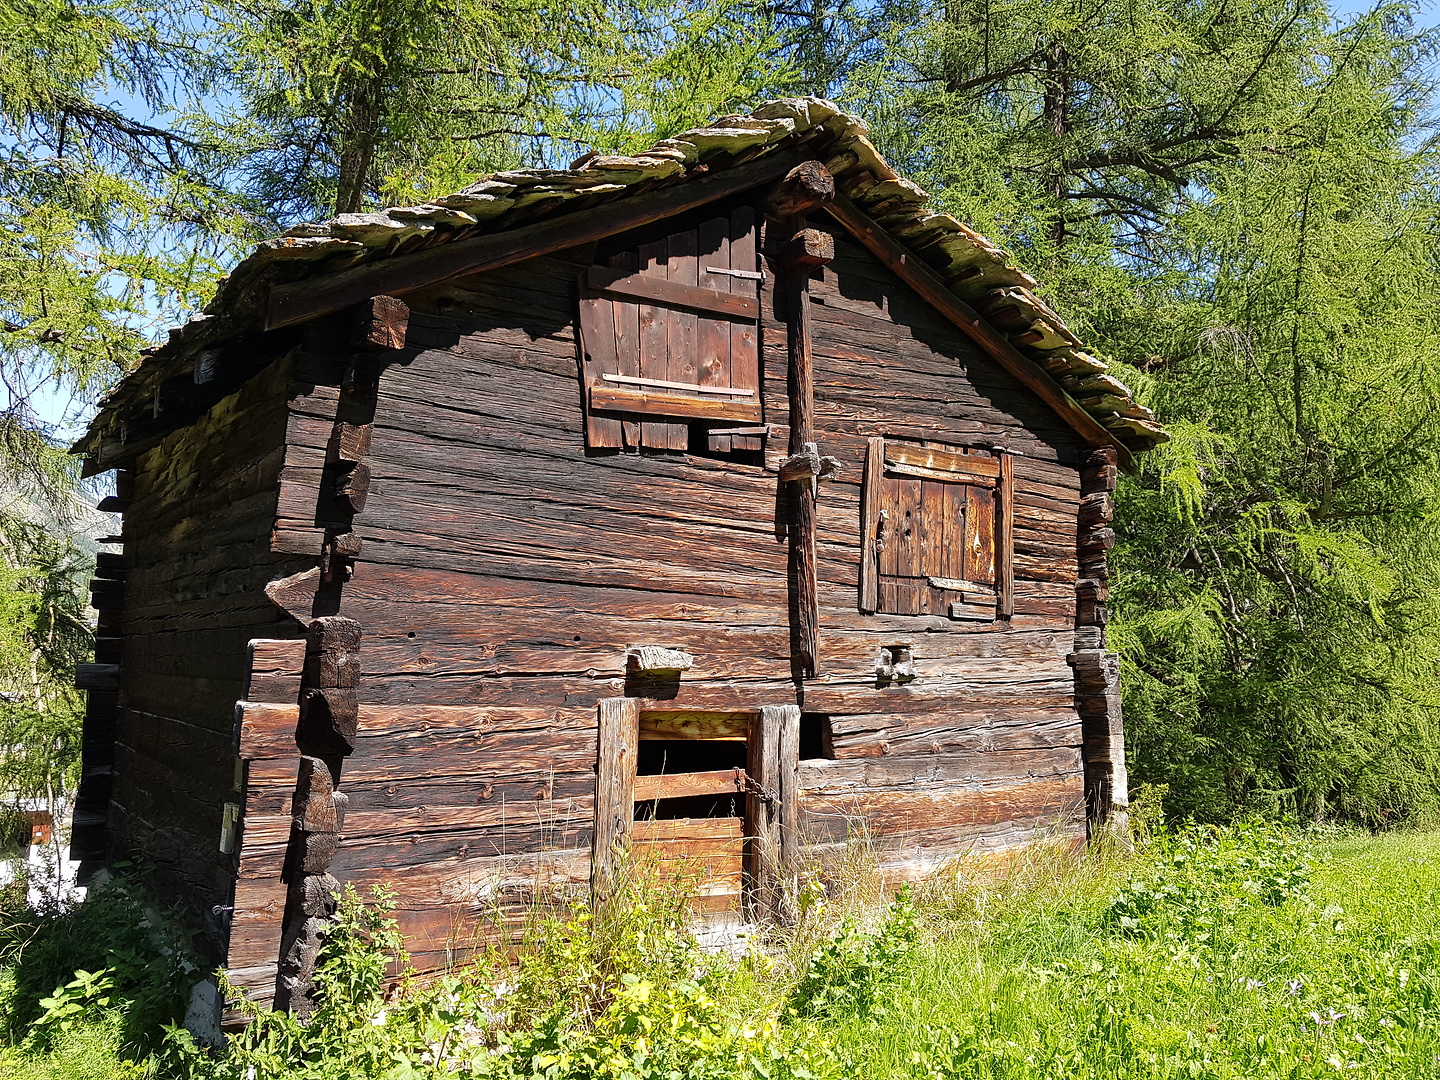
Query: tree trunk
<point x="1056" y="108"/>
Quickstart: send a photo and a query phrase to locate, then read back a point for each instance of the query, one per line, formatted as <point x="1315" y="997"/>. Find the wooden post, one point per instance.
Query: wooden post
<point x="772" y="805"/>
<point x="619" y="744"/>
<point x="797" y="251"/>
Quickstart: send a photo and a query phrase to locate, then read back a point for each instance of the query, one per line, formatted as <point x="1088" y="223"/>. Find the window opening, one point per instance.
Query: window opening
<point x="669" y="337"/>
<point x="817" y="737"/>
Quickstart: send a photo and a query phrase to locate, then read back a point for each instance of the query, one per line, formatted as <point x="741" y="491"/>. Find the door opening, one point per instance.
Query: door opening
<point x="701" y="798"/>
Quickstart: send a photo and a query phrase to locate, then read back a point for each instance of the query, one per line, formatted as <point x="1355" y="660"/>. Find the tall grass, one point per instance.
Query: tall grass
<point x="1219" y="953"/>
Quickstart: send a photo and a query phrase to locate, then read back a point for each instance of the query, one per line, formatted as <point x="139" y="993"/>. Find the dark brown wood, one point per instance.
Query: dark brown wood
<point x="623" y="399"/>
<point x="806" y="187"/>
<point x="940" y="461"/>
<point x="352" y="441"/>
<point x="744" y="366"/>
<point x="800" y="251"/>
<point x="806" y="250"/>
<point x="672" y="292"/>
<point x="509" y="569"/>
<point x="1005" y="540"/>
<point x="619" y="738"/>
<point x="352" y="487"/>
<point x="399" y="274"/>
<point x="870" y="525"/>
<point x="927" y="283"/>
<point x="381" y="322"/>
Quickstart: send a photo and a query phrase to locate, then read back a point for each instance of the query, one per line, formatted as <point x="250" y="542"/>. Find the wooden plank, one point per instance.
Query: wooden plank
<point x="744" y="338"/>
<point x="941" y="461"/>
<point x="619" y="737"/>
<point x="709" y="726"/>
<point x="930" y="541"/>
<point x="666" y="384"/>
<point x="267" y="730"/>
<point x="683" y="785"/>
<point x="712" y="341"/>
<point x="980" y="535"/>
<point x="870" y="505"/>
<point x="921" y="473"/>
<point x="665" y="403"/>
<point x="399" y="274"/>
<point x="787" y="782"/>
<point x="676" y="291"/>
<point x="599" y="355"/>
<point x="683" y="266"/>
<point x="627" y="341"/>
<point x="931" y="288"/>
<point x="952" y="510"/>
<point x="712" y="833"/>
<point x="654" y="342"/>
<point x="1005" y="540"/>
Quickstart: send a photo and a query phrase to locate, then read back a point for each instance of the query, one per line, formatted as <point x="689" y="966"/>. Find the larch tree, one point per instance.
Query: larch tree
<point x="1239" y="199"/>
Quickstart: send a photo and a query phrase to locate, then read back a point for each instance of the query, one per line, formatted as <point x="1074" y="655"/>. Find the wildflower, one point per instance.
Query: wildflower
<point x="1294" y="987"/>
<point x="1252" y="984"/>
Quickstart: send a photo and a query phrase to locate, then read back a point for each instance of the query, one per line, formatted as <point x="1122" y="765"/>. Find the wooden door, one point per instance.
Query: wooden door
<point x="702" y="800"/>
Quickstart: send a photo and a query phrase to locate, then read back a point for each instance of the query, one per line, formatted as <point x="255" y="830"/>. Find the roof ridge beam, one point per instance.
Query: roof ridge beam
<point x="310" y="298"/>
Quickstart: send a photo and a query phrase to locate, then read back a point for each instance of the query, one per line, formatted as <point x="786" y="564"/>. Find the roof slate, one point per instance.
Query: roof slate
<point x="972" y="267"/>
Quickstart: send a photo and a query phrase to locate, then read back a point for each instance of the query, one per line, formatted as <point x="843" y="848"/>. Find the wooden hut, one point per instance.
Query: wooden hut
<point x="723" y="500"/>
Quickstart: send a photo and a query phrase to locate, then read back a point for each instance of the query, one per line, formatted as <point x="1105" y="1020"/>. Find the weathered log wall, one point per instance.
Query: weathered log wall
<point x="505" y="572"/>
<point x="197" y="546"/>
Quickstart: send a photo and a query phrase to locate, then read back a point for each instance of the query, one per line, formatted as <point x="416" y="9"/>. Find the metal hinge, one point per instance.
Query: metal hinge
<point x="748" y="275"/>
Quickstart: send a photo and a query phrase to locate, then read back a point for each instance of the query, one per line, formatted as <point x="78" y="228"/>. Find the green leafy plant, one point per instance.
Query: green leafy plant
<point x="849" y="973"/>
<point x="1200" y="876"/>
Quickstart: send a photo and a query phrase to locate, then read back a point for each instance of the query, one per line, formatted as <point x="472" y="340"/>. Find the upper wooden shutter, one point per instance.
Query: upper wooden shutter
<point x="937" y="532"/>
<point x="669" y="337"/>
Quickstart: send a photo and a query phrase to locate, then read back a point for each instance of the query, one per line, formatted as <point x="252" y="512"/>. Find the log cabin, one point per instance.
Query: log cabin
<point x="724" y="504"/>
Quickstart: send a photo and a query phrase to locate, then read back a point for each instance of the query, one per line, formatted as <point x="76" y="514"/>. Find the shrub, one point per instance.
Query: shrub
<point x="116" y="954"/>
<point x="626" y="994"/>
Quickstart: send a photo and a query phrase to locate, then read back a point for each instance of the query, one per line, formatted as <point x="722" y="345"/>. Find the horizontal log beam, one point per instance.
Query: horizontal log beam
<point x="303" y="300"/>
<point x="915" y="273"/>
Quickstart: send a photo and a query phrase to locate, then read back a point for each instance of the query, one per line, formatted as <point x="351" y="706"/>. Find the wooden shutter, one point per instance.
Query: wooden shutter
<point x="937" y="532"/>
<point x="669" y="337"/>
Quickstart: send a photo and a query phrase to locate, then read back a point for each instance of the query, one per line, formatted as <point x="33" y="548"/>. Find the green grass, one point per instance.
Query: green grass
<point x="1224" y="954"/>
<point x="1343" y="979"/>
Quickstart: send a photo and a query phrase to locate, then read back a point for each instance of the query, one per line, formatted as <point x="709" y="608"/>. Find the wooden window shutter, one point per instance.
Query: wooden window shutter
<point x="937" y="529"/>
<point x="669" y="338"/>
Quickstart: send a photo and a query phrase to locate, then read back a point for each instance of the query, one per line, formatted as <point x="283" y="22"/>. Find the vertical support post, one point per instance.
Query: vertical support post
<point x="870" y="526"/>
<point x="365" y="337"/>
<point x="797" y="251"/>
<point x="772" y="807"/>
<point x="619" y="745"/>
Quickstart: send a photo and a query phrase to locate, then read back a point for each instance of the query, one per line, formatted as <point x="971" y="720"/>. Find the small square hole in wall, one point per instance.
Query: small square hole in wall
<point x="817" y="738"/>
